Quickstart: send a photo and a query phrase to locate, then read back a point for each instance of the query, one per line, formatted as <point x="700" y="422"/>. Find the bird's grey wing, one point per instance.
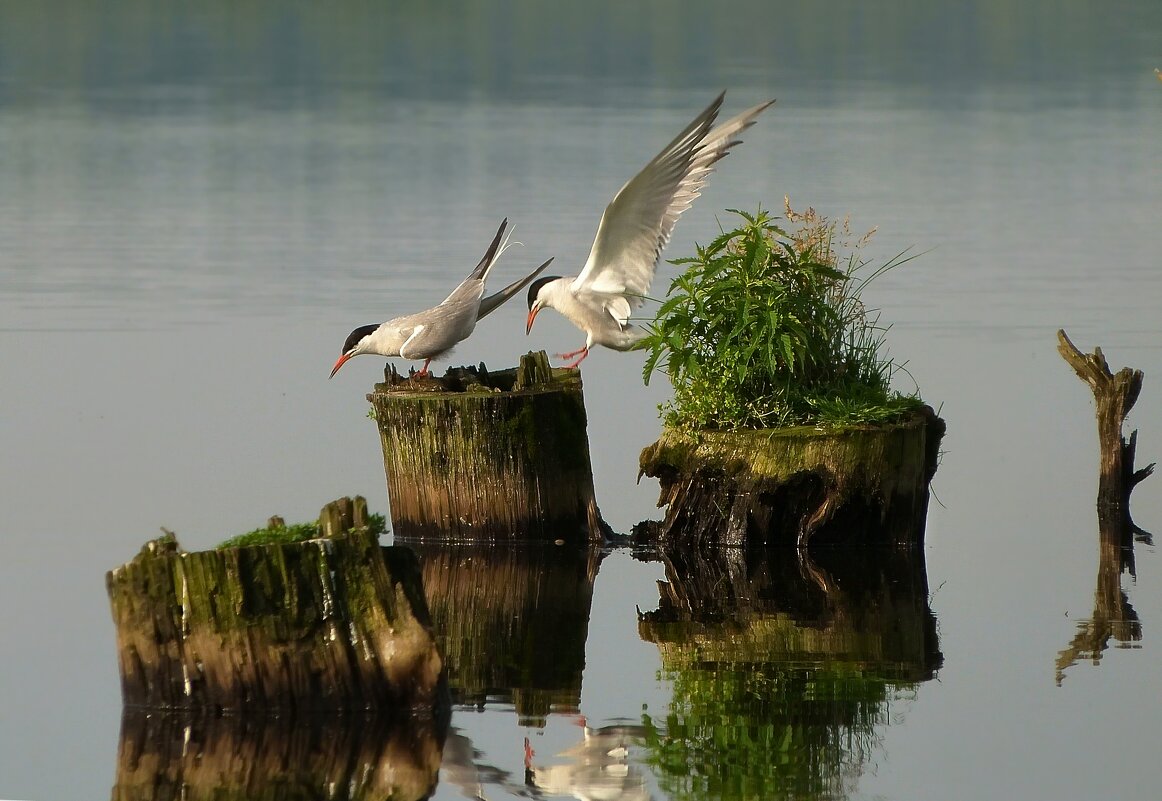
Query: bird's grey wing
<point x="638" y="221"/>
<point x="493" y="301"/>
<point x="440" y="328"/>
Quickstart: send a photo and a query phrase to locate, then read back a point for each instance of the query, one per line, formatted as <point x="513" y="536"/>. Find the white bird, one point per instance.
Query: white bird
<point x="433" y="332"/>
<point x="635" y="227"/>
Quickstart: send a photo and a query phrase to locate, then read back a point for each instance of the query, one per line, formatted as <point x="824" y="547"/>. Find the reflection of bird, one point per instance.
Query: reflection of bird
<point x="635" y="227"/>
<point x="430" y="333"/>
<point x="599" y="768"/>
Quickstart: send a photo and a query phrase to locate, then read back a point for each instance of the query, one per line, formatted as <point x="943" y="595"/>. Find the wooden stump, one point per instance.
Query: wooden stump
<point x="1114" y="396"/>
<point x="795" y="486"/>
<point x="487" y="456"/>
<point x="325" y="624"/>
<point x="512" y="621"/>
<point x="208" y="758"/>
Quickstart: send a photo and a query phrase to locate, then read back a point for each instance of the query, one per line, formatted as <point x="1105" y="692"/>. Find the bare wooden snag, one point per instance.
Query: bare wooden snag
<point x="332" y="624"/>
<point x="478" y="456"/>
<point x="1114" y="396"/>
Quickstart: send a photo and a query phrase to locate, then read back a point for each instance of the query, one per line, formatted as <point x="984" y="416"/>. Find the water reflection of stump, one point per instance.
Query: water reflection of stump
<point x="866" y="485"/>
<point x="511" y="622"/>
<point x="479" y="456"/>
<point x="163" y="758"/>
<point x="784" y="665"/>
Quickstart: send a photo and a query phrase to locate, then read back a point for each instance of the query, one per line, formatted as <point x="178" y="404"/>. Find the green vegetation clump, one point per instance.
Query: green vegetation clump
<point x="296" y="532"/>
<point x="765" y="328"/>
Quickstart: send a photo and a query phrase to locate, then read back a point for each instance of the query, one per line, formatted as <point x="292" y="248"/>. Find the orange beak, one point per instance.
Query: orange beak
<point x="342" y="359"/>
<point x="532" y="316"/>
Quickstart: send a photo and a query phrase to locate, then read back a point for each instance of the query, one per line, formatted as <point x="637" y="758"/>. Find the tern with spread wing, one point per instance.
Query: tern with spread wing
<point x="433" y="332"/>
<point x="635" y="227"/>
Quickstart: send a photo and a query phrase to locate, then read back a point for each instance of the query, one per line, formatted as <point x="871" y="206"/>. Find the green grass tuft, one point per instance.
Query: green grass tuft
<point x="765" y="328"/>
<point x="296" y="532"/>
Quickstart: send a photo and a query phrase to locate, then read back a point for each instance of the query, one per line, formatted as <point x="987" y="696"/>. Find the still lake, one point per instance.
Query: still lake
<point x="198" y="203"/>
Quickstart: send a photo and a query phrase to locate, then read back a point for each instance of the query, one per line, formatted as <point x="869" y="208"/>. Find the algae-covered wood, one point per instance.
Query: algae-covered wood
<point x="796" y="485"/>
<point x="330" y="624"/>
<point x="481" y="455"/>
<point x="165" y="757"/>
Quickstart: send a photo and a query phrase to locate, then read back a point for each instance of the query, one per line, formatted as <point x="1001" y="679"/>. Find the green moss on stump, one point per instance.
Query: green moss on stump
<point x="789" y="486"/>
<point x="327" y="624"/>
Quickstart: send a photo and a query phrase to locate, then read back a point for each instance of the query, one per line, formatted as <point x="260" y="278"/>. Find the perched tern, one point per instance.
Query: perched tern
<point x="430" y="333"/>
<point x="635" y="227"/>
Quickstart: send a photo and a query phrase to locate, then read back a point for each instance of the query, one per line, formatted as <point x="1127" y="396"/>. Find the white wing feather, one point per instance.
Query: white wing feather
<point x="637" y="223"/>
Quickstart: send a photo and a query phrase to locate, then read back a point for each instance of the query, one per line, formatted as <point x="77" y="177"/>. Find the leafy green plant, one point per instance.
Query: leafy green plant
<point x="765" y="328"/>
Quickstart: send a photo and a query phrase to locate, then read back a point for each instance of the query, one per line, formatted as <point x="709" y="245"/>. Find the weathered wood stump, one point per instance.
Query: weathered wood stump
<point x="166" y="757"/>
<point x="488" y="456"/>
<point x="1114" y="396"/>
<point x="511" y="622"/>
<point x="796" y="486"/>
<point x="326" y="624"/>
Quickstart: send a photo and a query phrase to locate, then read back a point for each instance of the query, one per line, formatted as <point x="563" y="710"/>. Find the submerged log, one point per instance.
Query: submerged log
<point x="179" y="758"/>
<point x="325" y="624"/>
<point x="796" y="486"/>
<point x="488" y="456"/>
<point x="512" y="621"/>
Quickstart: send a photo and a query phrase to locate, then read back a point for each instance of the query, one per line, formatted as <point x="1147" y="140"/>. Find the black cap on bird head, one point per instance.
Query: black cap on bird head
<point x="355" y="336"/>
<point x="535" y="287"/>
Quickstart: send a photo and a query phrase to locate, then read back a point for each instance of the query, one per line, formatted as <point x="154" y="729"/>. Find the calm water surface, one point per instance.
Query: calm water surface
<point x="198" y="203"/>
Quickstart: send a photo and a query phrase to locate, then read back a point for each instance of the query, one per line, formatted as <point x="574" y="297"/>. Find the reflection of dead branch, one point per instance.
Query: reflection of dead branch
<point x="1113" y="616"/>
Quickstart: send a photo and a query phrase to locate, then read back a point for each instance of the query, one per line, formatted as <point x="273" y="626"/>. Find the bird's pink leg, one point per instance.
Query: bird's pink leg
<point x="424" y="370"/>
<point x="571" y="353"/>
<point x="584" y="352"/>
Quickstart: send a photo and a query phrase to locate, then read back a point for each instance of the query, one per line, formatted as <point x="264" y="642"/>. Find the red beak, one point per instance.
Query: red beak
<point x="339" y="364"/>
<point x="532" y="316"/>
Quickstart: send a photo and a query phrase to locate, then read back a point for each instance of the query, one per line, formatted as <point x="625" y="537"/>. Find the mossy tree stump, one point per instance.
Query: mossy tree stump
<point x="325" y="624"/>
<point x="796" y="486"/>
<point x="485" y="456"/>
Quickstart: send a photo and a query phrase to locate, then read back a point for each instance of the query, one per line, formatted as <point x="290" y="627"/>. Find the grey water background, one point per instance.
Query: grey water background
<point x="199" y="201"/>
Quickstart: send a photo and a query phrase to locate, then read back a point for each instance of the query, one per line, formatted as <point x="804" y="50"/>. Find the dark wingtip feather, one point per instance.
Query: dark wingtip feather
<point x="490" y="254"/>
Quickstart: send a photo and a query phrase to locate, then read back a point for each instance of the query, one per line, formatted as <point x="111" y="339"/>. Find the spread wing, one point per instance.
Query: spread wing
<point x="638" y="221"/>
